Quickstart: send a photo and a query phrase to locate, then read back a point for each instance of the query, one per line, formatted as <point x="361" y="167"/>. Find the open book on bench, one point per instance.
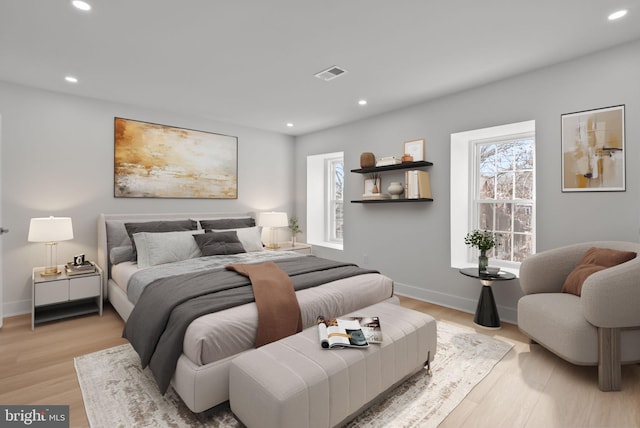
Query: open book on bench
<point x="349" y="332"/>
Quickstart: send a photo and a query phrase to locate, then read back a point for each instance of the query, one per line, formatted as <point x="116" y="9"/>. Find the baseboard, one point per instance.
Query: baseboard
<point x="19" y="307"/>
<point x="463" y="304"/>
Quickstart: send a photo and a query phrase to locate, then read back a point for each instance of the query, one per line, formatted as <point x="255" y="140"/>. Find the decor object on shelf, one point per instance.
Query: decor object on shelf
<point x="367" y="160"/>
<point x="395" y="189"/>
<point x="389" y="160"/>
<point x="593" y="157"/>
<point x="158" y="161"/>
<point x="483" y="240"/>
<point x="294" y="227"/>
<point x="273" y="220"/>
<point x="415" y="149"/>
<point x="406" y="158"/>
<point x="50" y="230"/>
<point x="373" y="184"/>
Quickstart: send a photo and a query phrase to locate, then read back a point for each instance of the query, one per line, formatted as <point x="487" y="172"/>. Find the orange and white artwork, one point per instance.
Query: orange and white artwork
<point x="593" y="155"/>
<point x="158" y="161"/>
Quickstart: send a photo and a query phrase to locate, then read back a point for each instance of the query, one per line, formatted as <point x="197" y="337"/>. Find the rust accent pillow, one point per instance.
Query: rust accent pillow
<point x="594" y="260"/>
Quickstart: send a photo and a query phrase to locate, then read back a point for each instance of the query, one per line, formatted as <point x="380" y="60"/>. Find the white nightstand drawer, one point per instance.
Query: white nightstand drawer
<point x="52" y="292"/>
<point x="81" y="287"/>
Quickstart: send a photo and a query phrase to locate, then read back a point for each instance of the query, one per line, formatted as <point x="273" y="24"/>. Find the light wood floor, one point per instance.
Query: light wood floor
<point x="529" y="388"/>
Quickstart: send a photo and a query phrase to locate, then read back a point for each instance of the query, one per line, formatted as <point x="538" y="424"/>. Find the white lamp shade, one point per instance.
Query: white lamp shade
<point x="273" y="219"/>
<point x="50" y="229"/>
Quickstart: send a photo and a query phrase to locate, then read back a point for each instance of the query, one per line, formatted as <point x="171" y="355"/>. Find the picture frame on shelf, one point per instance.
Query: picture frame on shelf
<point x="593" y="150"/>
<point x="369" y="185"/>
<point x="415" y="148"/>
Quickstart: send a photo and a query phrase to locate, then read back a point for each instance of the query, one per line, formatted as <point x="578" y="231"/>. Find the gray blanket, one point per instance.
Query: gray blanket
<point x="158" y="322"/>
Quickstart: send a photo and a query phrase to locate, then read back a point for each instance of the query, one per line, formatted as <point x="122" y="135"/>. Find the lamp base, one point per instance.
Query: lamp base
<point x="50" y="271"/>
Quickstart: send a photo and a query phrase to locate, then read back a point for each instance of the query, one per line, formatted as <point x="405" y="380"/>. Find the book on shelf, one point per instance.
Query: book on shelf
<point x="86" y="267"/>
<point x="418" y="184"/>
<point x="341" y="333"/>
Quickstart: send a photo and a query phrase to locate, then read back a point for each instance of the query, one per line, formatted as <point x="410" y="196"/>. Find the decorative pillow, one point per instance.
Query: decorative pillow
<point x="219" y="243"/>
<point x="160" y="248"/>
<point x="228" y="223"/>
<point x="594" y="260"/>
<point x="250" y="237"/>
<point x="121" y="254"/>
<point x="158" y="227"/>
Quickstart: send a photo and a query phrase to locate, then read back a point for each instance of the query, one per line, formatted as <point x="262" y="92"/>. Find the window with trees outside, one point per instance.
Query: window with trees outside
<point x="325" y="214"/>
<point x="493" y="189"/>
<point x="504" y="194"/>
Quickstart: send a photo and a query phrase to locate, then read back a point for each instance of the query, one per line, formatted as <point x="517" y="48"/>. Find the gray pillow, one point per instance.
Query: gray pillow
<point x="219" y="243"/>
<point x="157" y="227"/>
<point x="228" y="223"/>
<point x="121" y="254"/>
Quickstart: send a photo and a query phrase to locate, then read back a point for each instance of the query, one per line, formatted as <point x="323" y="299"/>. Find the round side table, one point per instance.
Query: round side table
<point x="487" y="312"/>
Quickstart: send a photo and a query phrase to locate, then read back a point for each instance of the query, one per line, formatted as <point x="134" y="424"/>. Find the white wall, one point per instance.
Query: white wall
<point x="410" y="242"/>
<point x="57" y="159"/>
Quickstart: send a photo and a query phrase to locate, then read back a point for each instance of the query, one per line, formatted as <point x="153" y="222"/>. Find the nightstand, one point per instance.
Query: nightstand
<point x="63" y="296"/>
<point x="298" y="247"/>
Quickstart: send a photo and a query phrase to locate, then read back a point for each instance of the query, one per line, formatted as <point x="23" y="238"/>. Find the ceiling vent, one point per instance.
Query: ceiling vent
<point x="330" y="73"/>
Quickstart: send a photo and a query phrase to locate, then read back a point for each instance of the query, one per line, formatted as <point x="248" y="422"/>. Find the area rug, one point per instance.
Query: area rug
<point x="117" y="393"/>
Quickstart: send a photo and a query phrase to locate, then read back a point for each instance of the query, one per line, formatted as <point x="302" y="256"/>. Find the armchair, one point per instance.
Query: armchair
<point x="601" y="326"/>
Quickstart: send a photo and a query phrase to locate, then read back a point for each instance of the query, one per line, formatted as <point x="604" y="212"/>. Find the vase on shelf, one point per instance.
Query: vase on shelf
<point x="395" y="189"/>
<point x="367" y="160"/>
<point x="483" y="261"/>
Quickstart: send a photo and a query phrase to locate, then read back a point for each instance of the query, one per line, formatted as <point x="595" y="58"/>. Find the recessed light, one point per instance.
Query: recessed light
<point x="82" y="5"/>
<point x="362" y="102"/>
<point x="71" y="79"/>
<point x="617" y="15"/>
<point x="289" y="125"/>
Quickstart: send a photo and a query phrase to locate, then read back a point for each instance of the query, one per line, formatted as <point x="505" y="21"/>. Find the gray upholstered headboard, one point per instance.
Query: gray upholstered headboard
<point x="112" y="233"/>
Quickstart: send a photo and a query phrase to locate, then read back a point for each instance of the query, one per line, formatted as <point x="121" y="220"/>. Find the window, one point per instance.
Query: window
<point x="503" y="186"/>
<point x="325" y="215"/>
<point x="493" y="188"/>
<point x="336" y="204"/>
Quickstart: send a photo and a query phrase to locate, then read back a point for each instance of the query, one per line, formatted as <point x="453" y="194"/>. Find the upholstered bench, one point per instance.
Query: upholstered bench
<point x="295" y="383"/>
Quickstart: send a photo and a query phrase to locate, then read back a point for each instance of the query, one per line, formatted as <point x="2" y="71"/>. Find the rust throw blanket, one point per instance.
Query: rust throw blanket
<point x="278" y="310"/>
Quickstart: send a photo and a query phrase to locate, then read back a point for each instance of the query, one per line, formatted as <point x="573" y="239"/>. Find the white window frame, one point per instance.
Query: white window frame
<point x="463" y="189"/>
<point x="320" y="181"/>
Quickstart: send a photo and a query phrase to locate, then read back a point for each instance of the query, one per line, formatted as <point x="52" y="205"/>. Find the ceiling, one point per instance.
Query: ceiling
<point x="252" y="62"/>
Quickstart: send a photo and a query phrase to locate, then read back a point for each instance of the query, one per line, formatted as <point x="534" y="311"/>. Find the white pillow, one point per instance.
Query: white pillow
<point x="159" y="248"/>
<point x="250" y="237"/>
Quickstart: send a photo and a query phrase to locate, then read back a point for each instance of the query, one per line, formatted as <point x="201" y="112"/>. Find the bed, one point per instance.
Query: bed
<point x="212" y="340"/>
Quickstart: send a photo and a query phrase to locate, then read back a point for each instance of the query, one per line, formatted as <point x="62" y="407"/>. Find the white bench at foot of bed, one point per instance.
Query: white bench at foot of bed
<point x="294" y="383"/>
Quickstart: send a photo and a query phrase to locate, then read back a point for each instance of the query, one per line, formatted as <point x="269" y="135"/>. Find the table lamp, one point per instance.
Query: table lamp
<point x="273" y="220"/>
<point x="50" y="230"/>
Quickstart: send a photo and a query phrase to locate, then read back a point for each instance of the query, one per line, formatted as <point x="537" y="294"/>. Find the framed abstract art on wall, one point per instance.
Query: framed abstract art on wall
<point x="159" y="161"/>
<point x="593" y="150"/>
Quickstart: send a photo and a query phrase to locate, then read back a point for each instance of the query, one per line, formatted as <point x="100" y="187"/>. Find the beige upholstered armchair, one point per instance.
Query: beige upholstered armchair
<point x="601" y="326"/>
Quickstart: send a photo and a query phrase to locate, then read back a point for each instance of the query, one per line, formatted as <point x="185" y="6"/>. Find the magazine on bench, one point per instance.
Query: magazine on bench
<point x="370" y="327"/>
<point x="348" y="332"/>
